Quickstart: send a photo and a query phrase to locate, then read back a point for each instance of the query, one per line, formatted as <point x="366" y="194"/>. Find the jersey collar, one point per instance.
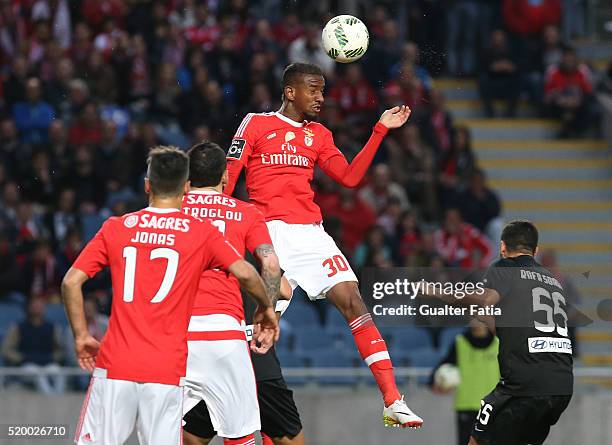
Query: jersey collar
<point x="205" y="192"/>
<point x="289" y="121"/>
<point x="158" y="210"/>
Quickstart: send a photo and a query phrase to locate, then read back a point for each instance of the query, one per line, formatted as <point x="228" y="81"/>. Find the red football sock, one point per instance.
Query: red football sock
<point x="246" y="440"/>
<point x="373" y="351"/>
<point x="265" y="439"/>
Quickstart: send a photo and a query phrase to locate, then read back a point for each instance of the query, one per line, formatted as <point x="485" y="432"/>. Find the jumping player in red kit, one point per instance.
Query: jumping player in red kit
<point x="279" y="152"/>
<point x="156" y="258"/>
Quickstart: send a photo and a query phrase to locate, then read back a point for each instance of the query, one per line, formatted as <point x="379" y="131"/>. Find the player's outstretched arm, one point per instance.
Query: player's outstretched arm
<point x="72" y="293"/>
<point x="350" y="175"/>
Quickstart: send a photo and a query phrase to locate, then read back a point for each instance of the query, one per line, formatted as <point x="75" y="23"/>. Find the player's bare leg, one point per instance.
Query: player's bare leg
<point x="472" y="441"/>
<point x="373" y="350"/>
<point x="191" y="439"/>
<point x="297" y="440"/>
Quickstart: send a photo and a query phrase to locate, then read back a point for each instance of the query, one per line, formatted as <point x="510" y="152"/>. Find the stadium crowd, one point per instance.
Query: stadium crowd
<point x="88" y="87"/>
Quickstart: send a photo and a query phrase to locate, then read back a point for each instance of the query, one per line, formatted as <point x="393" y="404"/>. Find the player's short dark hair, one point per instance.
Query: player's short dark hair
<point x="168" y="171"/>
<point x="520" y="236"/>
<point x="207" y="164"/>
<point x="295" y="70"/>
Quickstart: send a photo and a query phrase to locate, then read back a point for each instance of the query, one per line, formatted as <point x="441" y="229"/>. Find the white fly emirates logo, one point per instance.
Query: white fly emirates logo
<point x="287" y="156"/>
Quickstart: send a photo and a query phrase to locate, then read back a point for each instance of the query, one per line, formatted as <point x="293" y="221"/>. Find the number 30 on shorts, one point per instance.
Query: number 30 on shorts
<point x="335" y="264"/>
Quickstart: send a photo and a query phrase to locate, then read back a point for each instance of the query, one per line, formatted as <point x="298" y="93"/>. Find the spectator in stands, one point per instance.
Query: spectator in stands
<point x="474" y="353"/>
<point x="40" y="185"/>
<point x="63" y="218"/>
<point x="14" y="87"/>
<point x="408" y="89"/>
<point x="462" y="37"/>
<point x="461" y="244"/>
<point x="457" y="166"/>
<point x="410" y="55"/>
<point x="12" y="153"/>
<point x="34" y="345"/>
<point x="41" y="272"/>
<point x="500" y="75"/>
<point x="355" y="96"/>
<point x="34" y="116"/>
<point x="547" y="52"/>
<point x="410" y="238"/>
<point x="412" y="166"/>
<point x="307" y="48"/>
<point x="605" y="83"/>
<point x="374" y="250"/>
<point x="527" y="18"/>
<point x="10" y="273"/>
<point x="438" y="124"/>
<point x="383" y="52"/>
<point x="389" y="219"/>
<point x="568" y="94"/>
<point x="480" y="206"/>
<point x="28" y="227"/>
<point x="382" y="188"/>
<point x="87" y="130"/>
<point x="355" y="216"/>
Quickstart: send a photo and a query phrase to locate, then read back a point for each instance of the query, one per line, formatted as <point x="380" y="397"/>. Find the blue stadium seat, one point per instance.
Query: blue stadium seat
<point x="290" y="360"/>
<point x="424" y="358"/>
<point x="334" y="319"/>
<point x="285" y="342"/>
<point x="447" y="338"/>
<point x="9" y="314"/>
<point x="331" y="358"/>
<point x="408" y="337"/>
<point x="312" y="339"/>
<point x="57" y="315"/>
<point x="301" y="316"/>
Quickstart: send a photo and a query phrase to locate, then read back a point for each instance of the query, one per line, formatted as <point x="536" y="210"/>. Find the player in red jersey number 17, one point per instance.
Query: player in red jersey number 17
<point x="156" y="258"/>
<point x="279" y="152"/>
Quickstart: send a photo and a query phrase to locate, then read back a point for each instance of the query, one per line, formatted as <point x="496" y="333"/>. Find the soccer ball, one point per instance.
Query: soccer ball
<point x="345" y="38"/>
<point x="447" y="377"/>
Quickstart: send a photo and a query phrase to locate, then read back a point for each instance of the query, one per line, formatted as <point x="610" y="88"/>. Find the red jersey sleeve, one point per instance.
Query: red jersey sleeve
<point x="239" y="151"/>
<point x="335" y="165"/>
<point x="258" y="232"/>
<point x="94" y="256"/>
<point x="218" y="252"/>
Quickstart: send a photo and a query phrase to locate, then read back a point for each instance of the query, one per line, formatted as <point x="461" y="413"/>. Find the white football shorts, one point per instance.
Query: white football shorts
<point x="112" y="408"/>
<point x="310" y="257"/>
<point x="220" y="372"/>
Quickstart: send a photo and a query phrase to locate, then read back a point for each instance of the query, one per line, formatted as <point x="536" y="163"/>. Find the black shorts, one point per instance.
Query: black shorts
<point x="504" y="419"/>
<point x="279" y="415"/>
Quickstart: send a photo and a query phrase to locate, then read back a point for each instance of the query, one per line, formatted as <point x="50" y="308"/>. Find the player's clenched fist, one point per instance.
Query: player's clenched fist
<point x="265" y="330"/>
<point x="395" y="117"/>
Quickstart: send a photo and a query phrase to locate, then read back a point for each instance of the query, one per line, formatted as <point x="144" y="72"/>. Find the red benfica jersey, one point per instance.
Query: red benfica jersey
<point x="156" y="258"/>
<point x="280" y="155"/>
<point x="244" y="227"/>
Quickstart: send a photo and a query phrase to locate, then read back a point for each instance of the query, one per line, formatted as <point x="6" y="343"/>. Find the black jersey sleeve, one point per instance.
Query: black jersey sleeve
<point x="500" y="278"/>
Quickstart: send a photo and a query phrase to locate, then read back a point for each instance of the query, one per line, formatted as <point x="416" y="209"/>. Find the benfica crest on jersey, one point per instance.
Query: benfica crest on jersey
<point x="308" y="137"/>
